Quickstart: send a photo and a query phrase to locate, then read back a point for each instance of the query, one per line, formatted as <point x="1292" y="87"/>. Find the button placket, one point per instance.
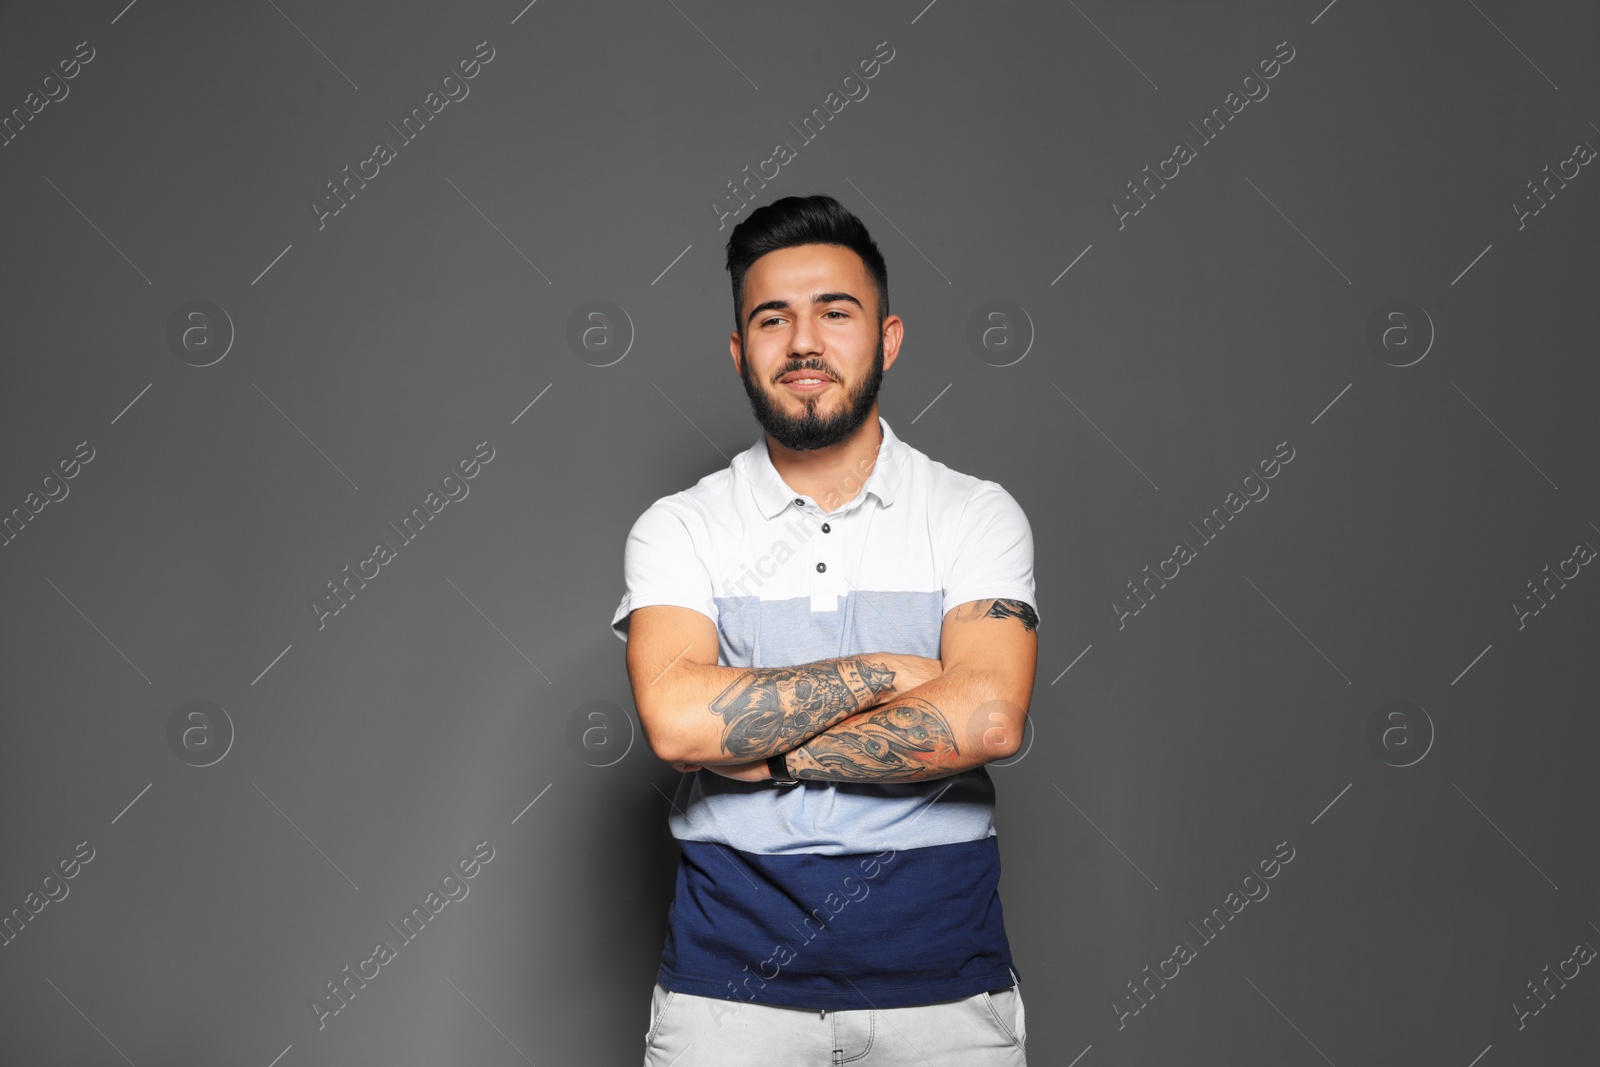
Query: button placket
<point x="820" y="585"/>
<point x="830" y="557"/>
<point x="824" y="574"/>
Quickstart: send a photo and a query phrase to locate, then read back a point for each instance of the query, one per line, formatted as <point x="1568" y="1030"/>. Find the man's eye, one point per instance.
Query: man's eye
<point x="836" y="311"/>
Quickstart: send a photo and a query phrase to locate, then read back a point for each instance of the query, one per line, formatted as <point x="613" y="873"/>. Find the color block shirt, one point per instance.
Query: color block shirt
<point x="832" y="894"/>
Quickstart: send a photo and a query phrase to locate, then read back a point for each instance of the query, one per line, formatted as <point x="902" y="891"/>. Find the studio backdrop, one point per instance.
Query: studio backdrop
<point x="343" y="344"/>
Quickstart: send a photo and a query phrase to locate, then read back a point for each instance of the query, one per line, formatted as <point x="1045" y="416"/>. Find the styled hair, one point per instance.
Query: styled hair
<point x="802" y="220"/>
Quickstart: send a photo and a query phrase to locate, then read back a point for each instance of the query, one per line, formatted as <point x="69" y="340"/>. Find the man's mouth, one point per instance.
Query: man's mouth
<point x="806" y="382"/>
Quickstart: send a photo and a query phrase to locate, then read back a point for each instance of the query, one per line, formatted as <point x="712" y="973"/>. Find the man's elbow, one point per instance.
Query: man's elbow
<point x="662" y="750"/>
<point x="664" y="733"/>
<point x="1000" y="720"/>
<point x="1003" y="735"/>
<point x="659" y="735"/>
<point x="1015" y="735"/>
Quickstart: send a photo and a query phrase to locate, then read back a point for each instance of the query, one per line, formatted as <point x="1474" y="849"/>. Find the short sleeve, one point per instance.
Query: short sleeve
<point x="661" y="565"/>
<point x="993" y="551"/>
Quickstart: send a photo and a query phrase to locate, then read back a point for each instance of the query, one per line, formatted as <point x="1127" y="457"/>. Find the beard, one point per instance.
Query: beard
<point x="809" y="431"/>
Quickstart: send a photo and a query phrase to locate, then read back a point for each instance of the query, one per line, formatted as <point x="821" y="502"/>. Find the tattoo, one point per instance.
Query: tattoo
<point x="907" y="740"/>
<point x="773" y="709"/>
<point x="1001" y="609"/>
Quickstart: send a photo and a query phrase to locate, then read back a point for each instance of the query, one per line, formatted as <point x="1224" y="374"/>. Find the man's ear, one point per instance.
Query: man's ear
<point x="734" y="351"/>
<point x="893" y="334"/>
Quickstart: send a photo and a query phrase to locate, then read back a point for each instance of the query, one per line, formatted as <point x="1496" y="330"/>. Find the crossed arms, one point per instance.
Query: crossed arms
<point x="883" y="717"/>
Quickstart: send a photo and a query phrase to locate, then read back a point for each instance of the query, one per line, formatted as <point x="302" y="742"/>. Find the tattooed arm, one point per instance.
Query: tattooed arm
<point x="696" y="712"/>
<point x="768" y="710"/>
<point x="972" y="713"/>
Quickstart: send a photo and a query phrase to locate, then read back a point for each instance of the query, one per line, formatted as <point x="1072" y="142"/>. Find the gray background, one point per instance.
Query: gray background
<point x="1169" y="753"/>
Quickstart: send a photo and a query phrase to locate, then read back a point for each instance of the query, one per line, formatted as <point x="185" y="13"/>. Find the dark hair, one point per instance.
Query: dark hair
<point x="802" y="220"/>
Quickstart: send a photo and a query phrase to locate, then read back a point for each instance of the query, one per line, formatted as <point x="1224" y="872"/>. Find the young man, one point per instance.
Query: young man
<point x="830" y="637"/>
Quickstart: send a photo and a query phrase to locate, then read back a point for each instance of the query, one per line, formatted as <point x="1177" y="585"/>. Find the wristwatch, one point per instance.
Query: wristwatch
<point x="780" y="770"/>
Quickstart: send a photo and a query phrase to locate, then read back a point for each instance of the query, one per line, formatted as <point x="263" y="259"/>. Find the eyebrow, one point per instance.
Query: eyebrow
<point x="783" y="305"/>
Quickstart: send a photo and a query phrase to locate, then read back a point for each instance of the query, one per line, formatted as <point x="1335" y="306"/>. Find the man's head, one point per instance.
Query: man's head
<point x="811" y="293"/>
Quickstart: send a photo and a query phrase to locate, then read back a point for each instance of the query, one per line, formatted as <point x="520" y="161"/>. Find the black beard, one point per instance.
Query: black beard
<point x="809" y="432"/>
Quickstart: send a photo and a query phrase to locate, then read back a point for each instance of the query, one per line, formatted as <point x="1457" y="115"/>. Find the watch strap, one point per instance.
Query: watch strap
<point x="779" y="768"/>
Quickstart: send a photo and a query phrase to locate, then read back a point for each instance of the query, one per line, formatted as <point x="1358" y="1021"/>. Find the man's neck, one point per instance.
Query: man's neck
<point x="835" y="475"/>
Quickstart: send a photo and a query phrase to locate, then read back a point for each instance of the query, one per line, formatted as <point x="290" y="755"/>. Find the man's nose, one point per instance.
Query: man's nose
<point x="806" y="347"/>
<point x="806" y="339"/>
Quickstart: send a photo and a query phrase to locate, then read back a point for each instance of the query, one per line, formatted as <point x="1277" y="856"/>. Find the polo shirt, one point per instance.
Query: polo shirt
<point x="832" y="895"/>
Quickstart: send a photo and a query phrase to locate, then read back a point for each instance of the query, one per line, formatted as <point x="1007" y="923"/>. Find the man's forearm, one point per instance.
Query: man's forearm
<point x="942" y="727"/>
<point x="768" y="710"/>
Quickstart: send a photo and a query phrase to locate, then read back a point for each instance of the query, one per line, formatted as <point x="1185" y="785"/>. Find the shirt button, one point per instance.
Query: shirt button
<point x="826" y="528"/>
<point x="800" y="501"/>
<point x="821" y="567"/>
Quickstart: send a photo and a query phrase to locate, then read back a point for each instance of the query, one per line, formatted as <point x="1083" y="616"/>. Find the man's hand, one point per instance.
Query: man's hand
<point x="752" y="771"/>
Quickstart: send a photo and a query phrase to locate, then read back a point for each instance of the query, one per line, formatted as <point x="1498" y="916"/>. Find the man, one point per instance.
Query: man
<point x="830" y="637"/>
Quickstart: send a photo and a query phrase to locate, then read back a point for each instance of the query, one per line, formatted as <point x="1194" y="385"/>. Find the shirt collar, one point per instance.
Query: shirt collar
<point x="772" y="494"/>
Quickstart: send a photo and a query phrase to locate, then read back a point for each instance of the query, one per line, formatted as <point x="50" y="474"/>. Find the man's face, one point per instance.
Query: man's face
<point x="812" y="310"/>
